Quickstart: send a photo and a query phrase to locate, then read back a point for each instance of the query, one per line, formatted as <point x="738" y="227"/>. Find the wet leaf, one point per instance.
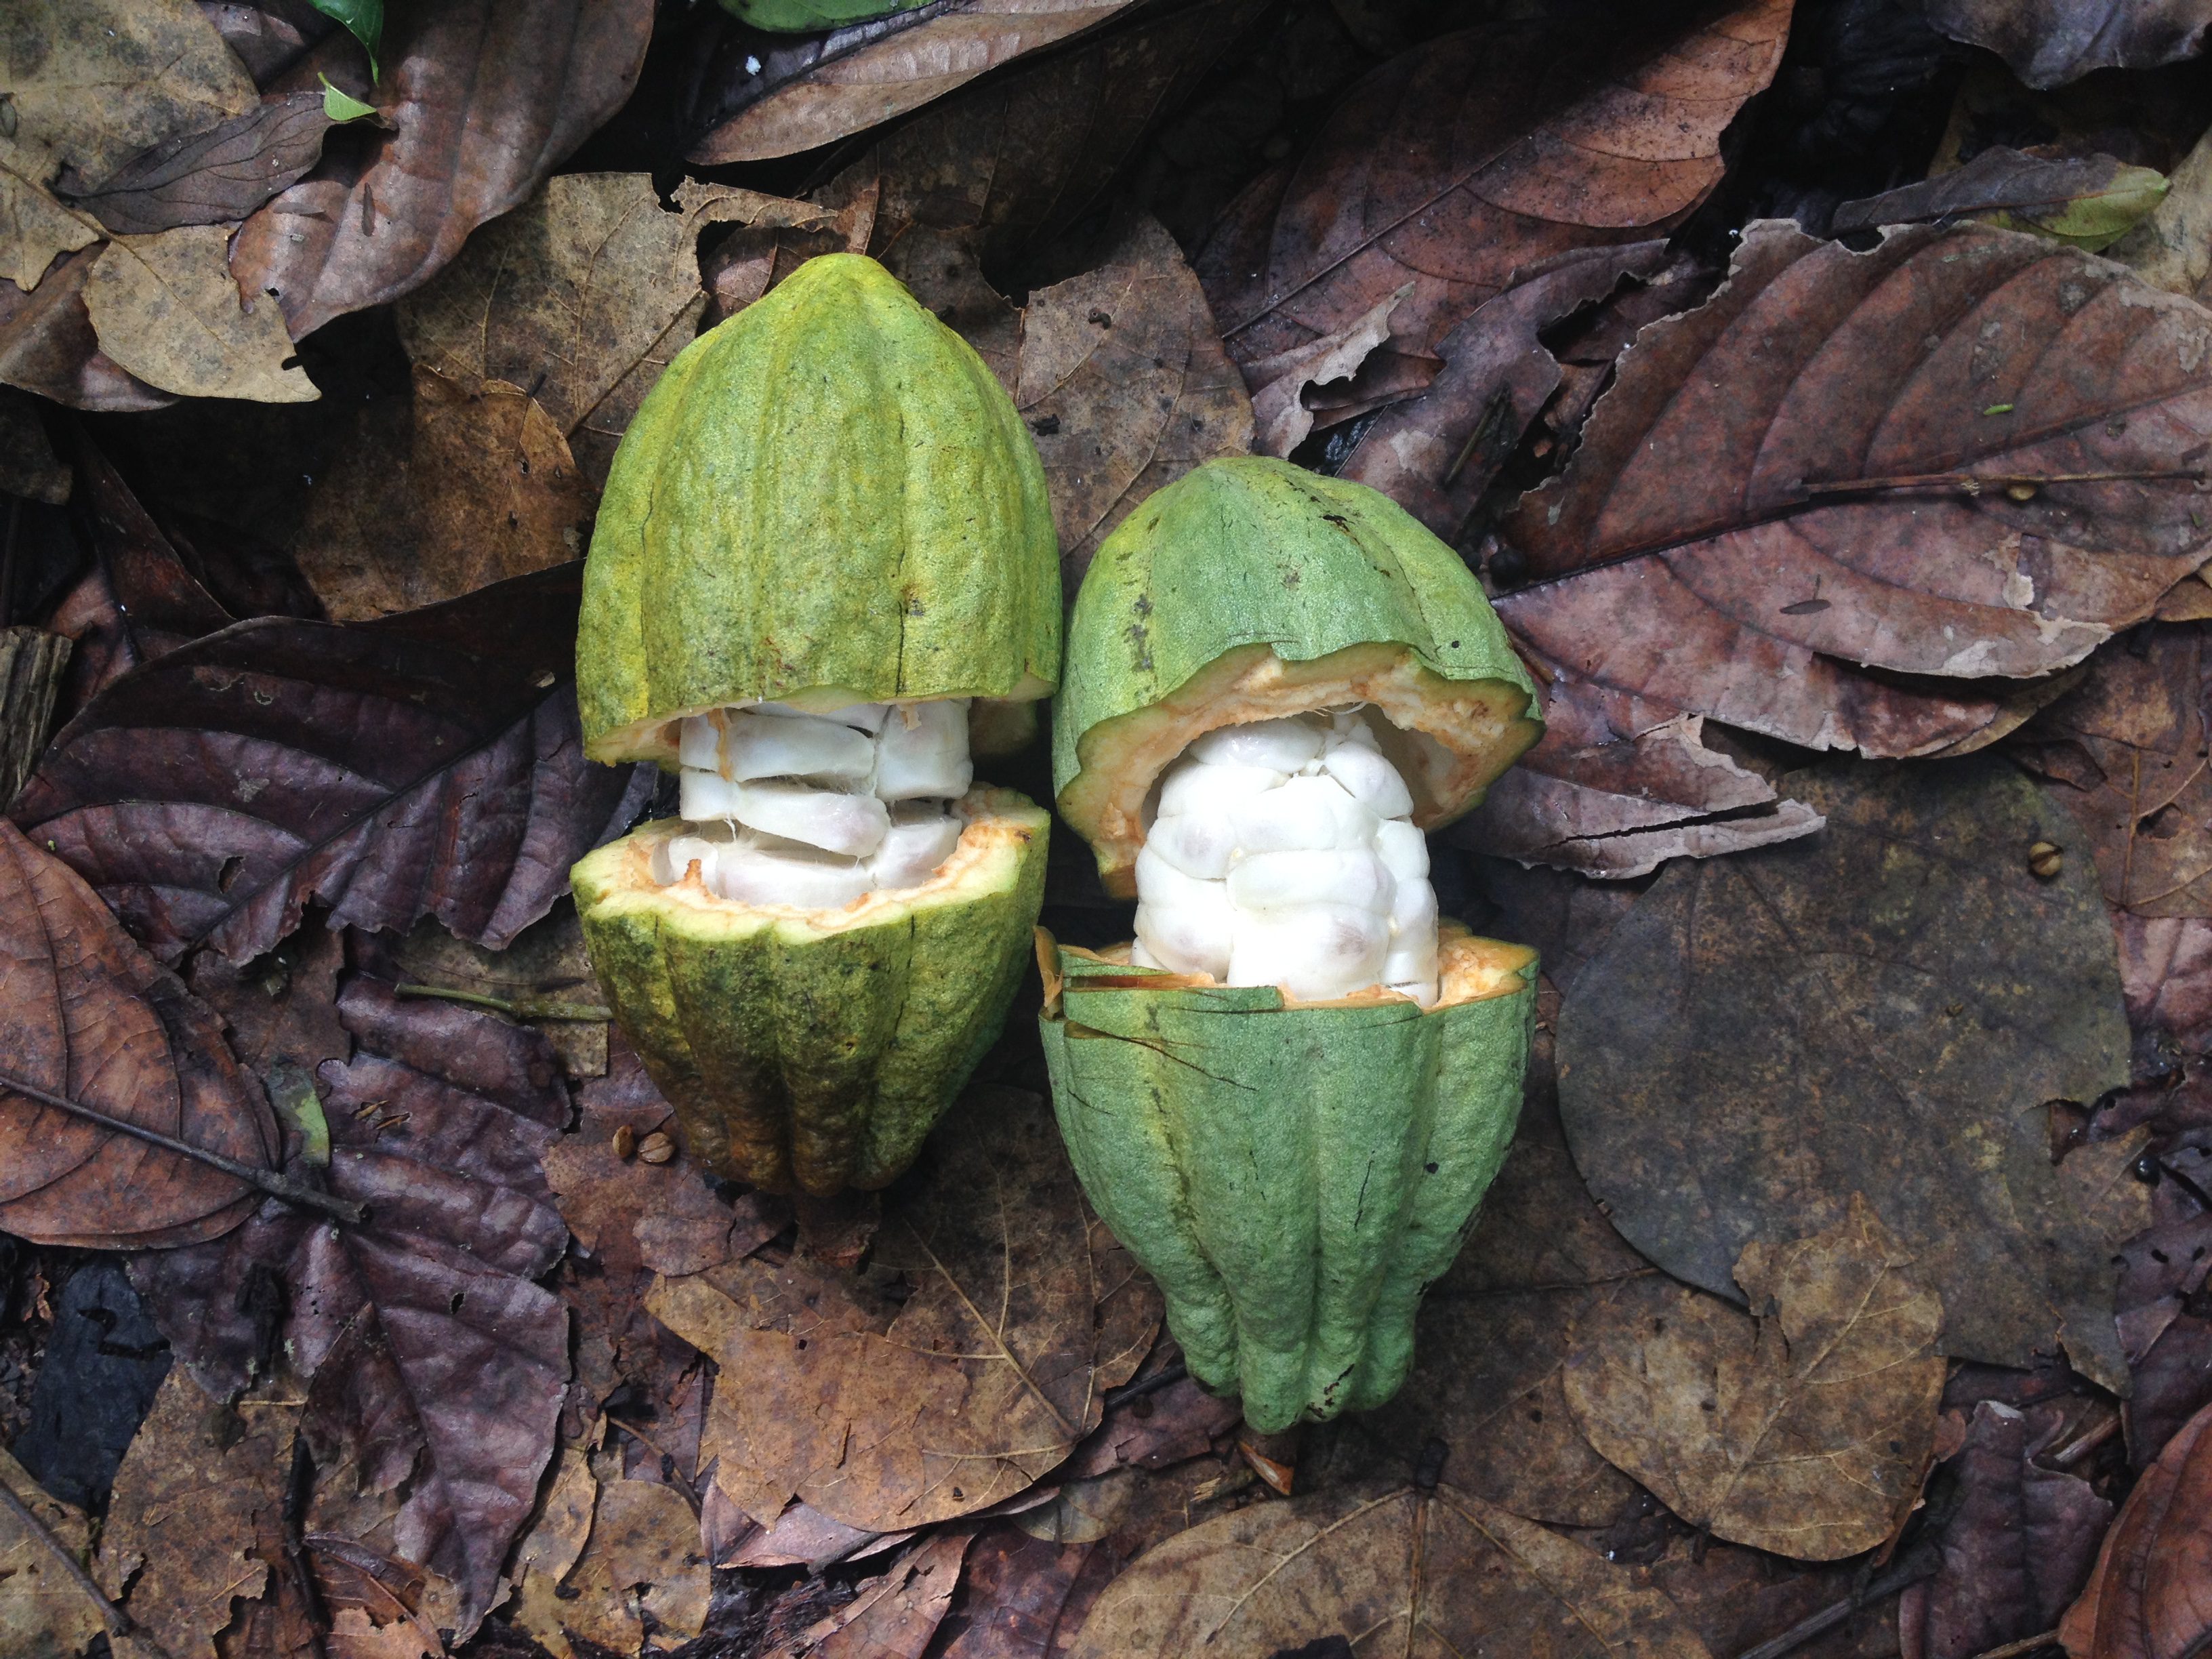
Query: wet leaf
<point x="2049" y="42"/>
<point x="812" y="91"/>
<point x="42" y="1614"/>
<point x="2146" y="1596"/>
<point x="166" y="309"/>
<point x="1125" y="387"/>
<point x="2019" y="1546"/>
<point x="2089" y="200"/>
<point x="895" y="1616"/>
<point x="1803" y="1432"/>
<point x="88" y="1015"/>
<point x="438" y="1368"/>
<point x="2125" y="753"/>
<point x="392" y="770"/>
<point x="482" y="99"/>
<point x="197" y="1488"/>
<point x="886" y="1415"/>
<point x="1387" y="1568"/>
<point x="467" y="483"/>
<point x="1914" y="996"/>
<point x="1474" y="157"/>
<point x="217" y="176"/>
<point x="47" y="345"/>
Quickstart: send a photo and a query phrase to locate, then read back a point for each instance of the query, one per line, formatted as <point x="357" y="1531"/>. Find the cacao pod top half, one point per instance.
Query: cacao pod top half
<point x="827" y="500"/>
<point x="1251" y="588"/>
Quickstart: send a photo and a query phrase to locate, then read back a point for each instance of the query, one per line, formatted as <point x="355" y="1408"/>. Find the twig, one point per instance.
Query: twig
<point x="119" y="1622"/>
<point x="2019" y="1650"/>
<point x="515" y="1008"/>
<point x="669" y="1466"/>
<point x="1921" y="1564"/>
<point x="299" y="1491"/>
<point x="267" y="1181"/>
<point x="2067" y="1457"/>
<point x="1152" y="1384"/>
<point x="1974" y="483"/>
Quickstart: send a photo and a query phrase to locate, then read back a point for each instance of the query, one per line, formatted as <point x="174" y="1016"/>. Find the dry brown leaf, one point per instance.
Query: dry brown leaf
<point x="642" y="1569"/>
<point x="198" y="1487"/>
<point x="1279" y="410"/>
<point x="1125" y="386"/>
<point x="1382" y="1571"/>
<point x="217" y="176"/>
<point x="1803" y="1432"/>
<point x="458" y="488"/>
<point x="895" y="1616"/>
<point x="47" y="345"/>
<point x="35" y="230"/>
<point x="42" y="1614"/>
<point x="862" y="76"/>
<point x="886" y="1415"/>
<point x="166" y="309"/>
<point x="2049" y="42"/>
<point x="545" y="964"/>
<point x="354" y="1635"/>
<point x="2146" y="1596"/>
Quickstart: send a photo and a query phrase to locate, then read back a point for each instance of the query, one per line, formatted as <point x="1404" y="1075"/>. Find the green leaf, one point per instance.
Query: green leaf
<point x="2094" y="221"/>
<point x="364" y="20"/>
<point x="341" y="105"/>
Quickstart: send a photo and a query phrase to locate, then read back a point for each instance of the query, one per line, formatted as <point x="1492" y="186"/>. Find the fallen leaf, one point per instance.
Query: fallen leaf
<point x="802" y="1536"/>
<point x="1390" y="1569"/>
<point x="1022" y="1598"/>
<point x="1279" y="411"/>
<point x="2018" y="1548"/>
<point x="103" y="1365"/>
<point x="1162" y="1425"/>
<point x="438" y="1368"/>
<point x="165" y="309"/>
<point x="2146" y="1595"/>
<point x="641" y="1570"/>
<point x="2125" y="753"/>
<point x="1749" y="532"/>
<point x="2048" y="43"/>
<point x="2172" y="248"/>
<point x="886" y="1415"/>
<point x="1475" y="156"/>
<point x="895" y="1616"/>
<point x="467" y="483"/>
<point x="1125" y="387"/>
<point x="1804" y="1430"/>
<point x="1913" y="995"/>
<point x="47" y="345"/>
<point x="392" y="770"/>
<point x="2165" y="970"/>
<point x="815" y="90"/>
<point x="90" y="1016"/>
<point x="216" y="176"/>
<point x="543" y="967"/>
<point x="37" y="230"/>
<point x="42" y="1614"/>
<point x="196" y="1490"/>
<point x="2090" y="201"/>
<point x="481" y="99"/>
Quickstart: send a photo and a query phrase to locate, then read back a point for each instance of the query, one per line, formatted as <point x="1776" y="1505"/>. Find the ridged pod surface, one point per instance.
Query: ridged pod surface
<point x="807" y="1051"/>
<point x="1294" y="1176"/>
<point x="827" y="500"/>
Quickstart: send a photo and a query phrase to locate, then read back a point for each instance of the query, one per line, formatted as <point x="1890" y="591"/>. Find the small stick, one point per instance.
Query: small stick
<point x="1921" y="1564"/>
<point x="117" y="1621"/>
<point x="1974" y="483"/>
<point x="669" y="1466"/>
<point x="2067" y="1457"/>
<point x="1165" y="1376"/>
<point x="518" y="1008"/>
<point x="267" y="1181"/>
<point x="2019" y="1649"/>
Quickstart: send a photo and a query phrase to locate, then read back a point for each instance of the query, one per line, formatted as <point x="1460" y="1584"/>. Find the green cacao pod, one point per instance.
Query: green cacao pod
<point x="794" y="16"/>
<point x="1293" y="1174"/>
<point x="827" y="500"/>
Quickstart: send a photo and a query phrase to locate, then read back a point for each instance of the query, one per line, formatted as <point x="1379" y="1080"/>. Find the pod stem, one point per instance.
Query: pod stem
<point x="514" y="1007"/>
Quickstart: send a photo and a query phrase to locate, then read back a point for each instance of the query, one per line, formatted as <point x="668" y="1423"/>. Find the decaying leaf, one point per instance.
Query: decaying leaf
<point x="166" y="309"/>
<point x="214" y="176"/>
<point x="393" y="770"/>
<point x="1803" y="1432"/>
<point x="827" y="86"/>
<point x="2145" y="1597"/>
<point x="2090" y="201"/>
<point x="88" y="1015"/>
<point x="47" y="345"/>
<point x="439" y="1368"/>
<point x="1125" y="387"/>
<point x="1883" y="1010"/>
<point x="196" y="1490"/>
<point x="468" y="483"/>
<point x="480" y="100"/>
<point x="1389" y="1570"/>
<point x="2049" y="42"/>
<point x="886" y="1415"/>
<point x="642" y="1569"/>
<point x="35" y="230"/>
<point x="543" y="973"/>
<point x="895" y="1616"/>
<point x="1474" y="157"/>
<point x="42" y="1614"/>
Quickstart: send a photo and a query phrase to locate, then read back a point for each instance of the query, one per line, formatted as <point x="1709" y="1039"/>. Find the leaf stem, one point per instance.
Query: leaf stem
<point x="1974" y="483"/>
<point x="515" y="1008"/>
<point x="117" y="1621"/>
<point x="267" y="1181"/>
<point x="1921" y="1564"/>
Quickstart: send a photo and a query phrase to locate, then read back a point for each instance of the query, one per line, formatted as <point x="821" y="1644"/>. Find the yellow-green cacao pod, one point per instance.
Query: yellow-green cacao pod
<point x="1294" y="1174"/>
<point x="827" y="501"/>
<point x="796" y="16"/>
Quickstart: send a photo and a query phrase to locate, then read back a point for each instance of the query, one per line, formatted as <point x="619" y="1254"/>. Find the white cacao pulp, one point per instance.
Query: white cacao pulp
<point x="1284" y="854"/>
<point x="786" y="807"/>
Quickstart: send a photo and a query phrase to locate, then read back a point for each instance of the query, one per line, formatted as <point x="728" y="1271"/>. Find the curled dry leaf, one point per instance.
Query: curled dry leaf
<point x="1391" y="1570"/>
<point x="468" y="483"/>
<point x="2049" y="42"/>
<point x="438" y="1368"/>
<point x="2146" y="1596"/>
<point x="1915" y="995"/>
<point x="1803" y="1432"/>
<point x="88" y="1015"/>
<point x="393" y="770"/>
<point x="199" y="1488"/>
<point x="42" y="1614"/>
<point x="886" y="1415"/>
<point x="166" y="309"/>
<point x="216" y="176"/>
<point x="1476" y="157"/>
<point x="480" y="100"/>
<point x="895" y="1616"/>
<point x="828" y="86"/>
<point x="2089" y="200"/>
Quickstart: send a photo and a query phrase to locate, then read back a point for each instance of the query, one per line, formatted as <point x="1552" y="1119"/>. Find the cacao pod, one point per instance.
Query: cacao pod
<point x="800" y="16"/>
